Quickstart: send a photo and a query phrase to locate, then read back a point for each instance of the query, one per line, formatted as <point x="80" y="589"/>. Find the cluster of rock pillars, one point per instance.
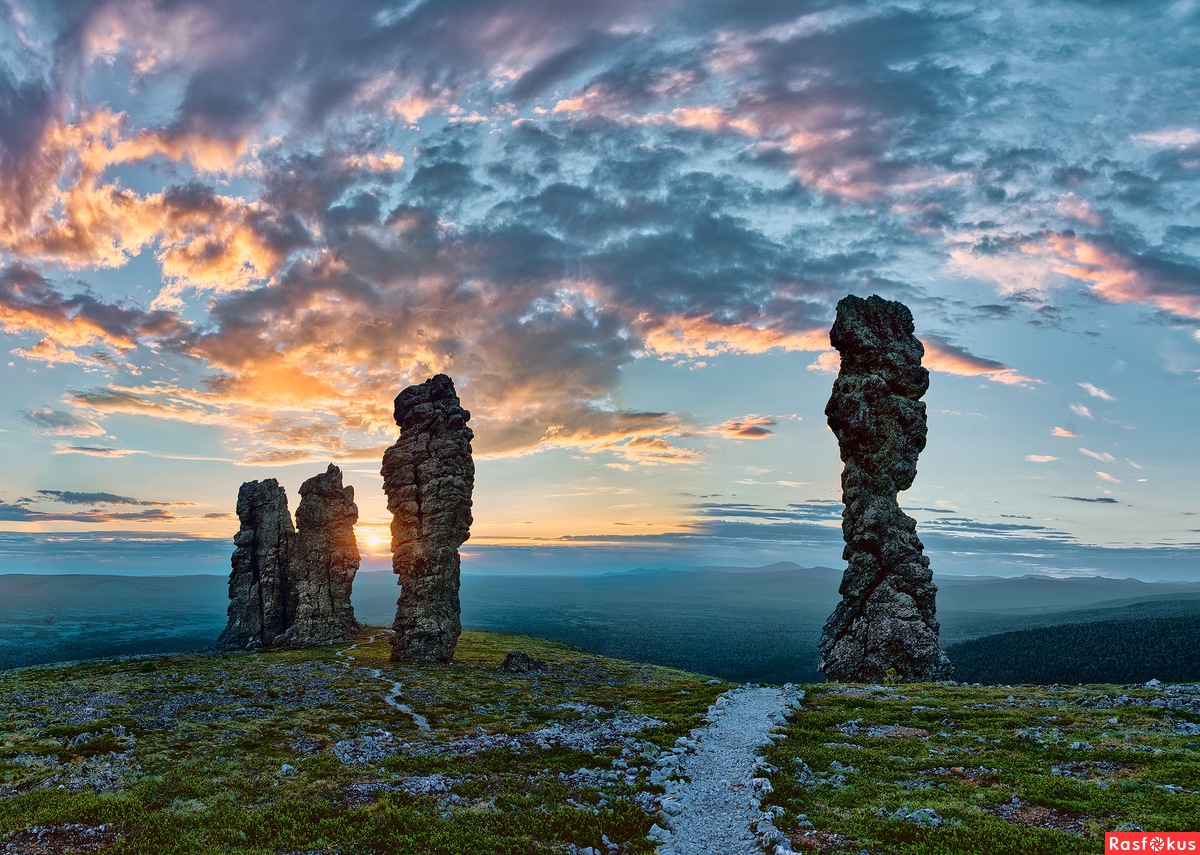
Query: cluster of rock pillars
<point x="290" y="585"/>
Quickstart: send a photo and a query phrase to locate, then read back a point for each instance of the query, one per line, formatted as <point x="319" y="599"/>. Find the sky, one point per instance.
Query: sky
<point x="231" y="233"/>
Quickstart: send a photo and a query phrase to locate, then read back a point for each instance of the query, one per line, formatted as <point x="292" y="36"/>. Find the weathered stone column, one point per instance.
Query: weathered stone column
<point x="258" y="581"/>
<point x="428" y="476"/>
<point x="324" y="562"/>
<point x="886" y="620"/>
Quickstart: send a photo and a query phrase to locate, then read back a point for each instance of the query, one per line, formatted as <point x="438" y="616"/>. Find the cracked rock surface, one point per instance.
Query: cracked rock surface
<point x="258" y="581"/>
<point x="324" y="563"/>
<point x="428" y="476"/>
<point x="886" y="620"/>
<point x="290" y="588"/>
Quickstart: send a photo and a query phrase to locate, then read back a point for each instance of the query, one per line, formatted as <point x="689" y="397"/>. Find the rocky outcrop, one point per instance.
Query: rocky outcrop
<point x="290" y="588"/>
<point x="520" y="662"/>
<point x="428" y="476"/>
<point x="324" y="562"/>
<point x="258" y="581"/>
<point x="885" y="624"/>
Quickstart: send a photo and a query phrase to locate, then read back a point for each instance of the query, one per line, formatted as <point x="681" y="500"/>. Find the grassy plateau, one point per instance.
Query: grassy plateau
<point x="338" y="750"/>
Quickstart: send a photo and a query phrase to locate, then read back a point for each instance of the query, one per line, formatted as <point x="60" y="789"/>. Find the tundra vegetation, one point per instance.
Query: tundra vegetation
<point x="340" y="750"/>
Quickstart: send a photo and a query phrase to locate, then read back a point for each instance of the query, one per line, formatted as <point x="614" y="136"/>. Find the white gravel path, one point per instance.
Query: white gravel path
<point x="714" y="807"/>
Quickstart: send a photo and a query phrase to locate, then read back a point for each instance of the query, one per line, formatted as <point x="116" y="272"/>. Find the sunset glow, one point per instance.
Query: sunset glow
<point x="230" y="234"/>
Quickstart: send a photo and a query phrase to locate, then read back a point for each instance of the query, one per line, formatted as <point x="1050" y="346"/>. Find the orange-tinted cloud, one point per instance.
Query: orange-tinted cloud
<point x="1058" y="431"/>
<point x="693" y="337"/>
<point x="1120" y="276"/>
<point x="748" y="427"/>
<point x="941" y="355"/>
<point x="69" y="215"/>
<point x="829" y="362"/>
<point x="29" y="303"/>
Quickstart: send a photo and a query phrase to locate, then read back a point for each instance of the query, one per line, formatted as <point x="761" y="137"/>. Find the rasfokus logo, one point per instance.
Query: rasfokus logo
<point x="1152" y="841"/>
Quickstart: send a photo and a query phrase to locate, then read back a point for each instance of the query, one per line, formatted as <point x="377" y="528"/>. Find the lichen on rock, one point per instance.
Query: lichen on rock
<point x="428" y="476"/>
<point x="885" y="624"/>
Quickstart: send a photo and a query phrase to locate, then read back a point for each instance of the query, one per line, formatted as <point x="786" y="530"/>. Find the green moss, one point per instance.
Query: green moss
<point x="233" y="750"/>
<point x="233" y="753"/>
<point x="967" y="752"/>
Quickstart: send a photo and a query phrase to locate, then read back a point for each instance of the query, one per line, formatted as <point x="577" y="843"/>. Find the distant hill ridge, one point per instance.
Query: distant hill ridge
<point x="693" y="618"/>
<point x="777" y="567"/>
<point x="1113" y="651"/>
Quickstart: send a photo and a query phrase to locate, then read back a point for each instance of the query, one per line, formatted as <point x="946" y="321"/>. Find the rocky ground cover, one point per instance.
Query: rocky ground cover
<point x="338" y="750"/>
<point x="946" y="768"/>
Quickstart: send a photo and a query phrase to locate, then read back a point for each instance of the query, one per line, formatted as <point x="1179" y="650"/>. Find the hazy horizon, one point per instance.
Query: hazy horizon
<point x="696" y="620"/>
<point x="173" y="556"/>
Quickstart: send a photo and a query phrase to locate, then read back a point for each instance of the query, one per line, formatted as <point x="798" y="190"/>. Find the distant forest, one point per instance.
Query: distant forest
<point x="1122" y="651"/>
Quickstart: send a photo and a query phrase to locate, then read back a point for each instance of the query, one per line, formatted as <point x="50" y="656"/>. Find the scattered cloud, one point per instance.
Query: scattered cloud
<point x="1108" y="477"/>
<point x="1040" y="458"/>
<point x="1103" y="456"/>
<point x="1075" y="208"/>
<point x="29" y="303"/>
<point x="1096" y="392"/>
<point x="68" y="497"/>
<point x="53" y="422"/>
<point x="1183" y="138"/>
<point x="20" y="513"/>
<point x="941" y="355"/>
<point x="748" y="427"/>
<point x="1101" y="500"/>
<point x="829" y="362"/>
<point x="1082" y="411"/>
<point x="1119" y="275"/>
<point x="1059" y="431"/>
<point x="94" y="451"/>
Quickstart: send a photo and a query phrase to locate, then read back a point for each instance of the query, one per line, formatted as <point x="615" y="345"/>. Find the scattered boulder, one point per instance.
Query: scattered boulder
<point x="885" y="626"/>
<point x="324" y="563"/>
<point x="520" y="662"/>
<point x="290" y="588"/>
<point x="428" y="476"/>
<point x="258" y="581"/>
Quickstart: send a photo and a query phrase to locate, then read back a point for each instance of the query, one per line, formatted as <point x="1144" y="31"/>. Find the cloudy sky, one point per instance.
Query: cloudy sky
<point x="231" y="233"/>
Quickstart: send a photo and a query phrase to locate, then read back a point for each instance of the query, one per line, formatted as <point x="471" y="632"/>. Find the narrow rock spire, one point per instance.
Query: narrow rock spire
<point x="885" y="624"/>
<point x="428" y="476"/>
<point x="258" y="581"/>
<point x="324" y="563"/>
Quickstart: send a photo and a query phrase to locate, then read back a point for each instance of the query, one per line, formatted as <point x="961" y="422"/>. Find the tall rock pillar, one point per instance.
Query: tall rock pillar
<point x="324" y="563"/>
<point x="886" y="619"/>
<point x="428" y="476"/>
<point x="258" y="582"/>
